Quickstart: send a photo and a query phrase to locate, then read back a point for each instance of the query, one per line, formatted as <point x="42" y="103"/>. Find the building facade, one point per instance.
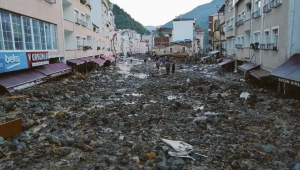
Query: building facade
<point x="29" y="36"/>
<point x="263" y="35"/>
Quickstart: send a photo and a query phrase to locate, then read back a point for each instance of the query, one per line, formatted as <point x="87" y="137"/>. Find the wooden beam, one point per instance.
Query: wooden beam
<point x="11" y="128"/>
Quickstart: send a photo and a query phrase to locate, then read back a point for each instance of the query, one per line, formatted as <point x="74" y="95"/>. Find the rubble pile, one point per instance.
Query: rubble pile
<point x="109" y="120"/>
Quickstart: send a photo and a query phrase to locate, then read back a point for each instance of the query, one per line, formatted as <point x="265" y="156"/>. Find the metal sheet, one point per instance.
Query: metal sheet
<point x="248" y="66"/>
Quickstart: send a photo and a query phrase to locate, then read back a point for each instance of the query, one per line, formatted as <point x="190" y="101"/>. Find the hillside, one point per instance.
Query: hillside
<point x="201" y="13"/>
<point x="124" y="21"/>
<point x="150" y="27"/>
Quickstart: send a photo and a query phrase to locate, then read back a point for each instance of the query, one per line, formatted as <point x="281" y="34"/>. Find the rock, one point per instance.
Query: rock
<point x="35" y="135"/>
<point x="61" y="151"/>
<point x="12" y="147"/>
<point x="162" y="166"/>
<point x="265" y="148"/>
<point x="1" y="141"/>
<point x="297" y="166"/>
<point x="111" y="160"/>
<point x="1" y="154"/>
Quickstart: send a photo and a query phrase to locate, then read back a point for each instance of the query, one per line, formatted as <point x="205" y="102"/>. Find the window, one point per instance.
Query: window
<point x="267" y="37"/>
<point x="275" y="32"/>
<point x="242" y="41"/>
<point x="257" y="5"/>
<point x="78" y="42"/>
<point x="171" y="50"/>
<point x="54" y="36"/>
<point x="243" y="16"/>
<point x="84" y="41"/>
<point x="183" y="49"/>
<point x="256" y="37"/>
<point x="1" y="37"/>
<point x="233" y="43"/>
<point x="48" y="36"/>
<point x="76" y="14"/>
<point x="17" y="29"/>
<point x="43" y="35"/>
<point x="7" y="31"/>
<point x="27" y="33"/>
<point x="36" y="34"/>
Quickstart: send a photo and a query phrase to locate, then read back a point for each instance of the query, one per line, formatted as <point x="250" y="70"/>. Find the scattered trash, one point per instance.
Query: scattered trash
<point x="16" y="97"/>
<point x="245" y="95"/>
<point x="183" y="150"/>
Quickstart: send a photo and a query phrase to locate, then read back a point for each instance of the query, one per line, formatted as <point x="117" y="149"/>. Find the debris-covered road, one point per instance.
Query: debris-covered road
<point x="116" y="119"/>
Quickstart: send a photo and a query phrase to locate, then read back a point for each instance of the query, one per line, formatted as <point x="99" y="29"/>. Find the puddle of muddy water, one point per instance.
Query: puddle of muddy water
<point x="125" y="70"/>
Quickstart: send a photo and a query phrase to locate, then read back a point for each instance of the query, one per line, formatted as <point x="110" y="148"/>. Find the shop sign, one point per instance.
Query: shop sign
<point x="12" y="61"/>
<point x="38" y="58"/>
<point x="295" y="83"/>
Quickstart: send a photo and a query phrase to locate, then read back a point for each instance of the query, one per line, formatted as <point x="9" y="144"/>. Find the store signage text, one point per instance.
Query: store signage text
<point x="295" y="83"/>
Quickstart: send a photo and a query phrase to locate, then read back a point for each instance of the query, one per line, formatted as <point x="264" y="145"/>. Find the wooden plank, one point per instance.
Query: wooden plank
<point x="11" y="128"/>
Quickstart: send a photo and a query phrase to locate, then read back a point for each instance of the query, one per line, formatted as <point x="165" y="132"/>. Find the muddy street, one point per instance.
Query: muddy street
<point x="116" y="118"/>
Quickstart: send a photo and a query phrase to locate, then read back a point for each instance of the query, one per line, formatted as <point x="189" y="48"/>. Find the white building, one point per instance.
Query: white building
<point x="183" y="29"/>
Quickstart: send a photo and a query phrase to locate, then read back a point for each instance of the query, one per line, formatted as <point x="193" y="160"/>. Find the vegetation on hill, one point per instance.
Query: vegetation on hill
<point x="124" y="21"/>
<point x="201" y="13"/>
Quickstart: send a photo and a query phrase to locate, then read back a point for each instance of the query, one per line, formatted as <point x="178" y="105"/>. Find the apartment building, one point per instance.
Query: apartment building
<point x="199" y="39"/>
<point x="32" y="41"/>
<point x="262" y="37"/>
<point x="213" y="31"/>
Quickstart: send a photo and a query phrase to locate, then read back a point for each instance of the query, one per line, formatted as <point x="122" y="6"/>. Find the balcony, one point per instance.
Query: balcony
<point x="230" y="28"/>
<point x="88" y="6"/>
<point x="79" y="47"/>
<point x="256" y="14"/>
<point x="239" y="23"/>
<point x="263" y="46"/>
<point x="78" y="21"/>
<point x="275" y="3"/>
<point x="267" y="8"/>
<point x="272" y="46"/>
<point x="51" y="1"/>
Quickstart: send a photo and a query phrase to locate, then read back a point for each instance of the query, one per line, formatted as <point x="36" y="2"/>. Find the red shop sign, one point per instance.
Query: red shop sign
<point x="37" y="58"/>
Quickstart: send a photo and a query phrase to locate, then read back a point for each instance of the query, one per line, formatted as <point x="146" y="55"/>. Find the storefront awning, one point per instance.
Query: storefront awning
<point x="260" y="74"/>
<point x="75" y="62"/>
<point x="221" y="59"/>
<point x="54" y="70"/>
<point x="87" y="59"/>
<point x="289" y="71"/>
<point x="110" y="58"/>
<point x="226" y="61"/>
<point x="99" y="61"/>
<point x="248" y="66"/>
<point x="20" y="80"/>
<point x="213" y="52"/>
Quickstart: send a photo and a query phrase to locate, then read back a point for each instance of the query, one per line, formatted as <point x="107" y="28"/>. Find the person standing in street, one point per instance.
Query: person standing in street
<point x="157" y="64"/>
<point x="168" y="66"/>
<point x="173" y="67"/>
<point x="145" y="60"/>
<point x="131" y="60"/>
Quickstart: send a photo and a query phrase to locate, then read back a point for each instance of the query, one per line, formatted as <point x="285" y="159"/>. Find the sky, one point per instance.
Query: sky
<point x="157" y="12"/>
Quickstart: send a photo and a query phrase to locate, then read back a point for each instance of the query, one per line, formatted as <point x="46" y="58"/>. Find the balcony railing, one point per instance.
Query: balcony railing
<point x="275" y="3"/>
<point x="78" y="21"/>
<point x="267" y="8"/>
<point x="272" y="46"/>
<point x="262" y="46"/>
<point x="256" y="14"/>
<point x="51" y="1"/>
<point x="239" y="23"/>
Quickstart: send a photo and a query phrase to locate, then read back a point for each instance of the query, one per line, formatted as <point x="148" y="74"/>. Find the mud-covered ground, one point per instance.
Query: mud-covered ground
<point x="115" y="119"/>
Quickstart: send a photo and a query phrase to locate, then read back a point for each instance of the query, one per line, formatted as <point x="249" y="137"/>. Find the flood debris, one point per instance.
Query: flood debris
<point x="111" y="119"/>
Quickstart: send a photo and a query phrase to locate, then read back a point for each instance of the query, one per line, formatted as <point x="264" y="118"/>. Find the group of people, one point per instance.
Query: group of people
<point x="165" y="62"/>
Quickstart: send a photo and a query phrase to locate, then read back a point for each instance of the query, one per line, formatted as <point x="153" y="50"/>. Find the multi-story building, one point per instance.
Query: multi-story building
<point x="30" y="40"/>
<point x="199" y="38"/>
<point x="213" y="31"/>
<point x="263" y="35"/>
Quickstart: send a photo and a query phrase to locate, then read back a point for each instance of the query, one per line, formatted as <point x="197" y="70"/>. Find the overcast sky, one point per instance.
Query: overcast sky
<point x="157" y="12"/>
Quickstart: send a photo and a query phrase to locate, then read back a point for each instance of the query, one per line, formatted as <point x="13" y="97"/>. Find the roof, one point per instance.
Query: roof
<point x="184" y="19"/>
<point x="159" y="46"/>
<point x="289" y="70"/>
